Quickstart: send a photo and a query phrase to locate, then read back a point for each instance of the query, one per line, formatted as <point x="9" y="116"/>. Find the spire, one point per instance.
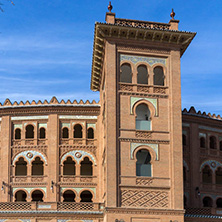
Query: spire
<point x="110" y="7"/>
<point x="172" y="14"/>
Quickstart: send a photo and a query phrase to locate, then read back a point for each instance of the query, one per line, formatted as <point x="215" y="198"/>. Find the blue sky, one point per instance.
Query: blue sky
<point x="46" y="47"/>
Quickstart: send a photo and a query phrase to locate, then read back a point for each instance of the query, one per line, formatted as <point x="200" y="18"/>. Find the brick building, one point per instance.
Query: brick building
<point x="121" y="159"/>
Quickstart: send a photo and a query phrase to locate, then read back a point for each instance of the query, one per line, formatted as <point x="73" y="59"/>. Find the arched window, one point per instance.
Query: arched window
<point x="20" y="196"/>
<point x="77" y="131"/>
<point x="202" y="142"/>
<point x="69" y="167"/>
<point x="219" y="203"/>
<point x="29" y="133"/>
<point x="142" y="74"/>
<point x="42" y="133"/>
<point x="213" y="143"/>
<point x="86" y="196"/>
<point x="18" y="134"/>
<point x="158" y="76"/>
<point x="21" y="167"/>
<point x="69" y="196"/>
<point x="207" y="202"/>
<point x="143" y="166"/>
<point x="143" y="117"/>
<point x="220" y="145"/>
<point x="37" y="195"/>
<point x="86" y="167"/>
<point x="126" y="73"/>
<point x="219" y="176"/>
<point x="90" y="133"/>
<point x="65" y="133"/>
<point x="184" y="174"/>
<point x="37" y="167"/>
<point x="184" y="140"/>
<point x="207" y="175"/>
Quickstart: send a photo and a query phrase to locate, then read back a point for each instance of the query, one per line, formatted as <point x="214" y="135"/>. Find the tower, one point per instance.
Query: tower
<point x="136" y="68"/>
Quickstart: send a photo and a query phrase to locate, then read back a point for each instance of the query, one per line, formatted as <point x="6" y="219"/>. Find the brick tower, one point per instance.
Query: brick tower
<point x="136" y="68"/>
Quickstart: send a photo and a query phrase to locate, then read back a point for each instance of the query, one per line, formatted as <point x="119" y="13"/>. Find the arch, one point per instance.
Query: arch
<point x="69" y="196"/>
<point x="65" y="133"/>
<point x="202" y="142"/>
<point x="86" y="196"/>
<point x="29" y="132"/>
<point x="78" y="155"/>
<point x="218" y="175"/>
<point x="158" y="76"/>
<point x="142" y="74"/>
<point x="151" y="103"/>
<point x="143" y="163"/>
<point x="213" y="142"/>
<point x="17" y="134"/>
<point x="77" y="131"/>
<point x="90" y="133"/>
<point x="37" y="167"/>
<point x="207" y="175"/>
<point x="20" y="196"/>
<point x="126" y="73"/>
<point x="29" y="156"/>
<point x="152" y="148"/>
<point x="69" y="166"/>
<point x="21" y="167"/>
<point x="42" y="133"/>
<point x="143" y="119"/>
<point x="207" y="202"/>
<point x="213" y="164"/>
<point x="219" y="202"/>
<point x="37" y="195"/>
<point x="86" y="168"/>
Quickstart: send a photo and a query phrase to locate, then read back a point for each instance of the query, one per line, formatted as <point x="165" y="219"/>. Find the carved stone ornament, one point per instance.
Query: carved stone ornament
<point x="78" y="155"/>
<point x="29" y="155"/>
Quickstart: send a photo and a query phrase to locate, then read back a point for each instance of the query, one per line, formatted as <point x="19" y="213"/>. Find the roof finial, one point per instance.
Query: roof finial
<point x="110" y="7"/>
<point x="172" y="14"/>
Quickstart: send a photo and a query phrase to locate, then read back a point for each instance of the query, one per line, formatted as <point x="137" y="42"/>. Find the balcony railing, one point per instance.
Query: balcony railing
<point x="78" y="179"/>
<point x="29" y="142"/>
<point x="78" y="141"/>
<point x="50" y="206"/>
<point x="28" y="179"/>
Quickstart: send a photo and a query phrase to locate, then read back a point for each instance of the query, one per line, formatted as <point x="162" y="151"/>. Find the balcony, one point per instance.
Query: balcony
<point x="50" y="206"/>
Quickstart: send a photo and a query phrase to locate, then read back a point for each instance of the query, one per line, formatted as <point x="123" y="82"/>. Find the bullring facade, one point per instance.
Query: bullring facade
<point x="120" y="159"/>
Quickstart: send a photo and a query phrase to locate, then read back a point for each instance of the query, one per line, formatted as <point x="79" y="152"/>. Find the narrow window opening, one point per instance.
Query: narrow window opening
<point x="29" y="134"/>
<point x="207" y="175"/>
<point x="18" y="134"/>
<point x="42" y="133"/>
<point x="202" y="142"/>
<point x="77" y="131"/>
<point x="219" y="176"/>
<point x="126" y="73"/>
<point x="207" y="202"/>
<point x="37" y="167"/>
<point x="143" y="117"/>
<point x="219" y="203"/>
<point x="143" y="165"/>
<point x="21" y="167"/>
<point x="86" y="167"/>
<point x="65" y="133"/>
<point x="142" y="75"/>
<point x="86" y="196"/>
<point x="158" y="76"/>
<point x="69" y="167"/>
<point x="69" y="196"/>
<point x="90" y="133"/>
<point x="213" y="143"/>
<point x="184" y="140"/>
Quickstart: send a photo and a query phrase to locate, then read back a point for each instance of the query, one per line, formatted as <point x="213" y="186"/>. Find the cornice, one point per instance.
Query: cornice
<point x="144" y="141"/>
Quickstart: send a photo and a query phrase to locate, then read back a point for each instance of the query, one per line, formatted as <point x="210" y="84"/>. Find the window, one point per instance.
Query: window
<point x="202" y="142"/>
<point x="184" y="174"/>
<point x="86" y="196"/>
<point x="158" y="76"/>
<point x="220" y="145"/>
<point x="42" y="133"/>
<point x="29" y="133"/>
<point x="86" y="167"/>
<point x="20" y="196"/>
<point x="207" y="202"/>
<point x="65" y="133"/>
<point x="219" y="176"/>
<point x="37" y="195"/>
<point x="77" y="131"/>
<point x="69" y="167"/>
<point x="17" y="134"/>
<point x="21" y="167"/>
<point x="143" y="166"/>
<point x="142" y="74"/>
<point x="213" y="144"/>
<point x="126" y="73"/>
<point x="69" y="196"/>
<point x="143" y="117"/>
<point x="37" y="167"/>
<point x="207" y="175"/>
<point x="184" y="140"/>
<point x="219" y="203"/>
<point x="90" y="133"/>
